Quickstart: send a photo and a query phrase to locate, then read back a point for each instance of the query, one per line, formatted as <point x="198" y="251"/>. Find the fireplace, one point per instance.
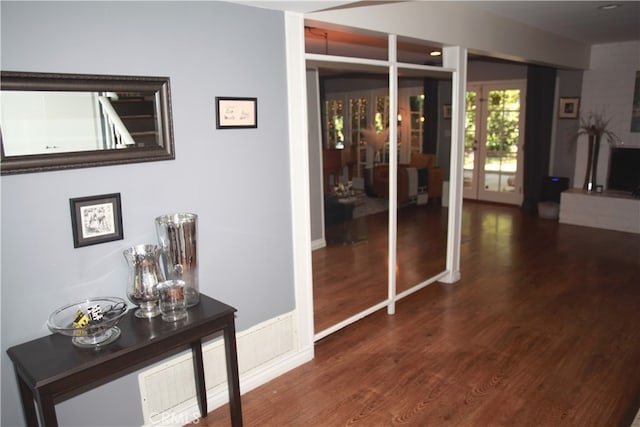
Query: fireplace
<point x="624" y="169"/>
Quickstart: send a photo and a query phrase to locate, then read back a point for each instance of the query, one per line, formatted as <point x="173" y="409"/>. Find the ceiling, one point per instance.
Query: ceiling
<point x="582" y="21"/>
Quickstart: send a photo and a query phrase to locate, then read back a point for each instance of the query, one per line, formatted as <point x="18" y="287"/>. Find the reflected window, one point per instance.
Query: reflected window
<point x="382" y="113"/>
<point x="34" y="122"/>
<point x="358" y="118"/>
<point x="357" y="123"/>
<point x="334" y="120"/>
<point x="381" y="121"/>
<point x="416" y="131"/>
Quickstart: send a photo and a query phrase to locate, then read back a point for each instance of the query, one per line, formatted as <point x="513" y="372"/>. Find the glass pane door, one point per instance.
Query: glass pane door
<point x="471" y="131"/>
<point x="494" y="134"/>
<point x="504" y="133"/>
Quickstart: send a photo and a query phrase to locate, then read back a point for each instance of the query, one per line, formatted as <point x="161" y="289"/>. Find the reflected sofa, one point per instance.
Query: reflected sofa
<point x="419" y="176"/>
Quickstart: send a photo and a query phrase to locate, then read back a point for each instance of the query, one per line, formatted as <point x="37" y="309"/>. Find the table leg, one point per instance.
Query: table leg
<point x="233" y="377"/>
<point x="26" y="398"/>
<point x="198" y="370"/>
<point x="47" y="410"/>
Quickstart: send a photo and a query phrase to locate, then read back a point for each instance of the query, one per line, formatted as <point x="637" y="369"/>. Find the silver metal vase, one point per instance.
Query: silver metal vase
<point x="178" y="241"/>
<point x="144" y="276"/>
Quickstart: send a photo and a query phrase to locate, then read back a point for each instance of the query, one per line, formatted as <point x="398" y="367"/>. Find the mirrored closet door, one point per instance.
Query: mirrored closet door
<point x="350" y="271"/>
<point x="354" y="109"/>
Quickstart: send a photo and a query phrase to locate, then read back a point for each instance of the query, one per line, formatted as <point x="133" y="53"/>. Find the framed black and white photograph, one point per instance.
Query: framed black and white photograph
<point x="96" y="219"/>
<point x="569" y="108"/>
<point x="235" y="113"/>
<point x="446" y="111"/>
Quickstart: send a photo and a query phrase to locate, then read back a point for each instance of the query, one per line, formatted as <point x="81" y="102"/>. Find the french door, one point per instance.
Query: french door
<point x="494" y="138"/>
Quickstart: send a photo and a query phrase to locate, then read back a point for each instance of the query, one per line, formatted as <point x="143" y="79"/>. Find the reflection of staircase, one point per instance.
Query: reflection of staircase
<point x="138" y="115"/>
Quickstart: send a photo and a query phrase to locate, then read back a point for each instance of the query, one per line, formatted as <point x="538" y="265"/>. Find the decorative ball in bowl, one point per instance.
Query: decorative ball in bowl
<point x="91" y="323"/>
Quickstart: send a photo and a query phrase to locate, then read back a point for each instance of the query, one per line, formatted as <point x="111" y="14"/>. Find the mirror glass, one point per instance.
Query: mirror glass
<point x="350" y="272"/>
<point x="61" y="121"/>
<point x="424" y="146"/>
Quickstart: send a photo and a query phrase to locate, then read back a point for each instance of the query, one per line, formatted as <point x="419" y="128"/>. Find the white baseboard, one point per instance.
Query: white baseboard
<point x="450" y="277"/>
<point x="265" y="352"/>
<point x="318" y="244"/>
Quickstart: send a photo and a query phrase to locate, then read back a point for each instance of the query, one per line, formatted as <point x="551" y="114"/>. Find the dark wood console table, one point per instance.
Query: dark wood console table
<point x="51" y="369"/>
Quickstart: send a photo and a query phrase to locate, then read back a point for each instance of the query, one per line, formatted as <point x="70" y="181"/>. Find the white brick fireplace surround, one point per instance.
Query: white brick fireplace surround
<point x="609" y="210"/>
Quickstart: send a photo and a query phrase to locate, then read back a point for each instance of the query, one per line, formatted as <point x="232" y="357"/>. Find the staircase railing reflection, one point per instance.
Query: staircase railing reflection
<point x="118" y="135"/>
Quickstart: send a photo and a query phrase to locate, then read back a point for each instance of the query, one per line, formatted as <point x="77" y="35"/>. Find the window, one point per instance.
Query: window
<point x="334" y="124"/>
<point x="416" y="123"/>
<point x="358" y="118"/>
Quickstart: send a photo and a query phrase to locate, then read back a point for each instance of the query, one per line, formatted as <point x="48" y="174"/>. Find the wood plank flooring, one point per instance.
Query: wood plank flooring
<point x="542" y="330"/>
<point x="349" y="278"/>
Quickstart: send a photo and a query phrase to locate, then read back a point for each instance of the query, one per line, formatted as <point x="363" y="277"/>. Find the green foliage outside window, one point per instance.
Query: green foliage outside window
<point x="503" y="121"/>
<point x="470" y="121"/>
<point x="382" y="113"/>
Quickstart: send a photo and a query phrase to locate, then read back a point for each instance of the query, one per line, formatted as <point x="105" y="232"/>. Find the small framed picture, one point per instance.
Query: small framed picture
<point x="96" y="219"/>
<point x="569" y="108"/>
<point x="446" y="111"/>
<point x="234" y="113"/>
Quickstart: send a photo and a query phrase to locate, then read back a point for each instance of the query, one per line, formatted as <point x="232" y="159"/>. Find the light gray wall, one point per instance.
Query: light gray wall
<point x="563" y="153"/>
<point x="237" y="181"/>
<point x="491" y="71"/>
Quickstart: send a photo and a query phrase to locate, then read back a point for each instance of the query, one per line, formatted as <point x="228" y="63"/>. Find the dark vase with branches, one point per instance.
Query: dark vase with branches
<point x="594" y="126"/>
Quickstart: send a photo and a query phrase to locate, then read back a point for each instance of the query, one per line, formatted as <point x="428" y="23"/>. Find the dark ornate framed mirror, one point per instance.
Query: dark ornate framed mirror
<point x="64" y="121"/>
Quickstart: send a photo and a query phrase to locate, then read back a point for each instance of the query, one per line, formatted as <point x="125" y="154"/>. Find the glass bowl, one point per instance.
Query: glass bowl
<point x="91" y="323"/>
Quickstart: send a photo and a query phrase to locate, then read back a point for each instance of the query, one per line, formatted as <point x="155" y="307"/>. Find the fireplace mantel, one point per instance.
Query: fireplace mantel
<point x="610" y="210"/>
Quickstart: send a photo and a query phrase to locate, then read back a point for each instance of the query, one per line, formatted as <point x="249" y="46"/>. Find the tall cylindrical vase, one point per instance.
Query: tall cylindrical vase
<point x="594" y="163"/>
<point x="587" y="174"/>
<point x="177" y="238"/>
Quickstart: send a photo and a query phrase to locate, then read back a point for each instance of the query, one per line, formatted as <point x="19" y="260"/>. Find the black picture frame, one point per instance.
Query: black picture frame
<point x="96" y="219"/>
<point x="446" y="111"/>
<point x="569" y="108"/>
<point x="236" y="113"/>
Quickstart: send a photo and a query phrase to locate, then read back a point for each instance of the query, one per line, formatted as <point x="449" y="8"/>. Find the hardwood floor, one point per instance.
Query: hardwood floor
<point x="542" y="330"/>
<point x="349" y="278"/>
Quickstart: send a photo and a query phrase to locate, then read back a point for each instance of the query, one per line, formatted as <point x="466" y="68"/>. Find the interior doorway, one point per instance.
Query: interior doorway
<point x="494" y="137"/>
